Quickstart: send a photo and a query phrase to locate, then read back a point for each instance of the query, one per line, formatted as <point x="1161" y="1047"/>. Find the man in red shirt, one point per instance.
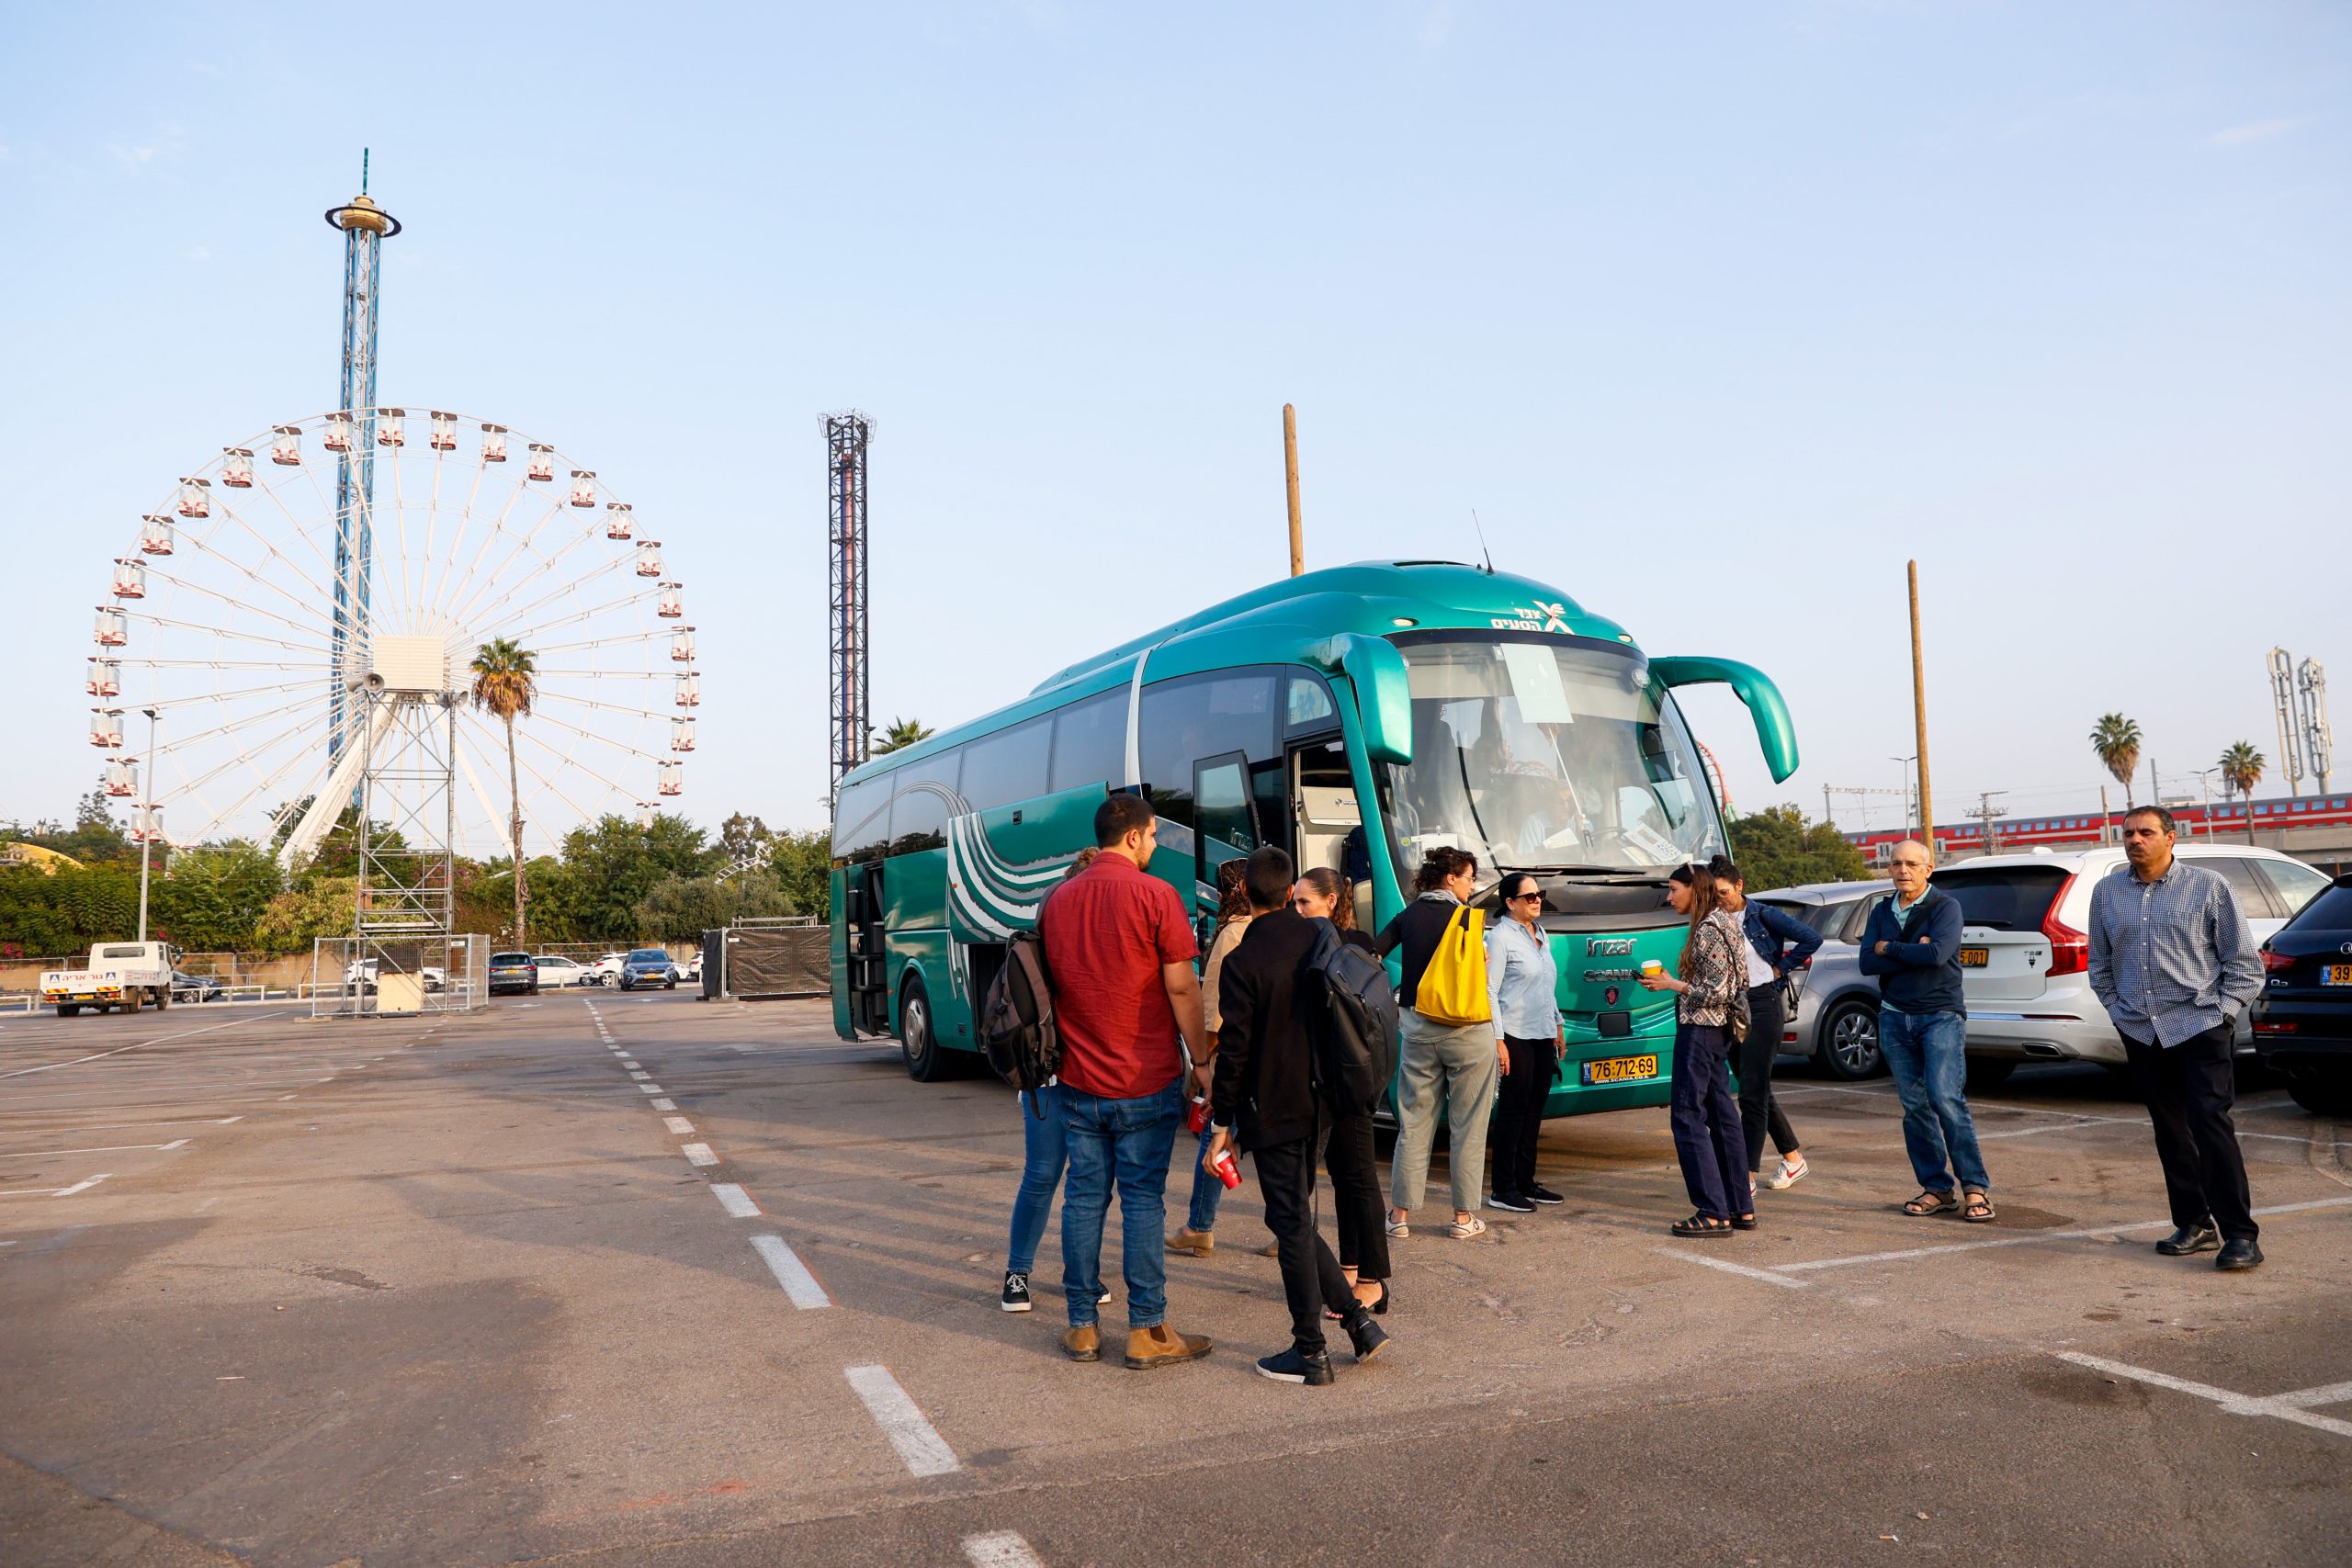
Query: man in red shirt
<point x="1120" y="949"/>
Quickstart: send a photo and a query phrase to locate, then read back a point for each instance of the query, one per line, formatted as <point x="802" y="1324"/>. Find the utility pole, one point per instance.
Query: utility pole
<point x="2155" y="785"/>
<point x="1919" y="712"/>
<point x="1910" y="796"/>
<point x="1985" y="812"/>
<point x="2205" y="786"/>
<point x="2102" y="816"/>
<point x="1290" y="480"/>
<point x="146" y="822"/>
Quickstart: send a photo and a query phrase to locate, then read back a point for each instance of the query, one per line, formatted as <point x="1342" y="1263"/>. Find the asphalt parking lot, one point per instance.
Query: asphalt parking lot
<point x="638" y="1278"/>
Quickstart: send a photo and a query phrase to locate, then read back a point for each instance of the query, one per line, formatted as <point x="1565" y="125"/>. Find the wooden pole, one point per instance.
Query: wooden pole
<point x="1919" y="714"/>
<point x="1290" y="478"/>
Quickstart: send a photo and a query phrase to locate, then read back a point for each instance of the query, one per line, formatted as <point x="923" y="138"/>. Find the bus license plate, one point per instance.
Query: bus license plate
<point x="2337" y="975"/>
<point x="1620" y="1069"/>
<point x="1975" y="957"/>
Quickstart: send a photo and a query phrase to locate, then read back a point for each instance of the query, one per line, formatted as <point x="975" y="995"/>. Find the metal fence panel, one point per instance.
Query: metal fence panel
<point x="373" y="977"/>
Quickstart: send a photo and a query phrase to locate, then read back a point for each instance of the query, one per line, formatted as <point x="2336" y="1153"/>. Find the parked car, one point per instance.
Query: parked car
<point x="513" y="972"/>
<point x="2025" y="948"/>
<point x="1836" y="1019"/>
<point x="361" y="972"/>
<point x="693" y="970"/>
<point x="194" y="987"/>
<point x="606" y="971"/>
<point x="649" y="966"/>
<point x="2302" y="1020"/>
<point x="555" y="969"/>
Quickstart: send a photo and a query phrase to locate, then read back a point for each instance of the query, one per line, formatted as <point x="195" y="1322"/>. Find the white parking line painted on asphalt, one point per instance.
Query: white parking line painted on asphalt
<point x="1741" y="1268"/>
<point x="680" y="1125"/>
<point x="2279" y="1407"/>
<point x="141" y="1046"/>
<point x="100" y="1150"/>
<point x="698" y="1153"/>
<point x="1000" y="1549"/>
<point x="631" y="1065"/>
<point x="84" y="1184"/>
<point x="108" y="1127"/>
<point x="917" y="1442"/>
<point x="640" y="1076"/>
<point x="650" y="1088"/>
<point x="735" y="1201"/>
<point x="1906" y="1253"/>
<point x="665" y="1105"/>
<point x="799" y="1284"/>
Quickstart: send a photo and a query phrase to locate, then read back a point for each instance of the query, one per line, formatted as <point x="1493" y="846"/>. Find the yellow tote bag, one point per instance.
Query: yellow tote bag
<point x="1453" y="987"/>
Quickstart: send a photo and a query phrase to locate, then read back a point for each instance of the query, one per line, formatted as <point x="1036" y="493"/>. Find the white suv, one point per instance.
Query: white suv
<point x="2025" y="947"/>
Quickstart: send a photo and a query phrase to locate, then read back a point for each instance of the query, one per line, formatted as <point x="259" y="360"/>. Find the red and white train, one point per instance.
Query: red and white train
<point x="2075" y="830"/>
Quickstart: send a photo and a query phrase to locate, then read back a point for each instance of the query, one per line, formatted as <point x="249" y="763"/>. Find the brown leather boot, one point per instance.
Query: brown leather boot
<point x="1160" y="1345"/>
<point x="1082" y="1344"/>
<point x="1200" y="1244"/>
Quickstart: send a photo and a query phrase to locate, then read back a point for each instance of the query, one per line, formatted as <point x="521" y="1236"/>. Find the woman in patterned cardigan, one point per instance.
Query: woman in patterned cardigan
<point x="1711" y="1015"/>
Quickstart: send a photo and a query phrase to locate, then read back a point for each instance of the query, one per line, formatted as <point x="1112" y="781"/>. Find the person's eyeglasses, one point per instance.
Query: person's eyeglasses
<point x="1522" y="898"/>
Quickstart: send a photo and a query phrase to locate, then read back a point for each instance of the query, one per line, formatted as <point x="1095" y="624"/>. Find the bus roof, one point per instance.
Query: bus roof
<point x="1278" y="622"/>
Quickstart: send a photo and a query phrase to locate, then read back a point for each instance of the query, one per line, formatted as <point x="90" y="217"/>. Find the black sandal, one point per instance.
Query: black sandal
<point x="1701" y="1224"/>
<point x="1743" y="1222"/>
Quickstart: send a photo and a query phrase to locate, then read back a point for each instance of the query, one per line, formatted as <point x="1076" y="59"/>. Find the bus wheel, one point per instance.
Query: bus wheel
<point x="918" y="1036"/>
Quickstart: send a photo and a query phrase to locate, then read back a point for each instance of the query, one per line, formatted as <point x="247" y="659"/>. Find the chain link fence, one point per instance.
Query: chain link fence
<point x="371" y="976"/>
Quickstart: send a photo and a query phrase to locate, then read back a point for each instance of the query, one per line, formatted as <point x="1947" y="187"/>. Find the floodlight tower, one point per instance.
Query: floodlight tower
<point x="365" y="228"/>
<point x="847" y="435"/>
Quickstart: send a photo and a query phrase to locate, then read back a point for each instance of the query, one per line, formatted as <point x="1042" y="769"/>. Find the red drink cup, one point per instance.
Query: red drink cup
<point x="1200" y="1116"/>
<point x="1225" y="1170"/>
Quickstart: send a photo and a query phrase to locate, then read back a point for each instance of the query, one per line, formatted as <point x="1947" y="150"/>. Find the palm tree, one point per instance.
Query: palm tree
<point x="2241" y="767"/>
<point x="902" y="732"/>
<point x="504" y="684"/>
<point x="2117" y="741"/>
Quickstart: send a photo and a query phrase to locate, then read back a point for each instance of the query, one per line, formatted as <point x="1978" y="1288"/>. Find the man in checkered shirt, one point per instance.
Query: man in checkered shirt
<point x="2172" y="963"/>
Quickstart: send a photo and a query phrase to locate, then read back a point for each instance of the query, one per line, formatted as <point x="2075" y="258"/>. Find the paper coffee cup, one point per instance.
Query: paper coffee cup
<point x="1652" y="968"/>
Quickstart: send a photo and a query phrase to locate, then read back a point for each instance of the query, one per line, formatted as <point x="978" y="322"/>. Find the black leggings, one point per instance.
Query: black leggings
<point x="1519" y="1112"/>
<point x="1758" y="1112"/>
<point x="1356" y="1203"/>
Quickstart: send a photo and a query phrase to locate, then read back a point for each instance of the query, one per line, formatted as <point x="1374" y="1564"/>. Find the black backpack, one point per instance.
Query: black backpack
<point x="1017" y="1030"/>
<point x="1355" y="1042"/>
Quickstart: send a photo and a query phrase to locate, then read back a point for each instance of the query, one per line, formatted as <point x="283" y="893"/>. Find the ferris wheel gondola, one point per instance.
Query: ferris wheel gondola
<point x="228" y="619"/>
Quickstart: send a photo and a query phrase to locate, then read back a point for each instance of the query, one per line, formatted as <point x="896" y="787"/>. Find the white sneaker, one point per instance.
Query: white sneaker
<point x="1788" y="1175"/>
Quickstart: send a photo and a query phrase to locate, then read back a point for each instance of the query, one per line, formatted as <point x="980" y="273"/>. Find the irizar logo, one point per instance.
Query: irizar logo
<point x="1543" y="617"/>
<point x="1608" y="946"/>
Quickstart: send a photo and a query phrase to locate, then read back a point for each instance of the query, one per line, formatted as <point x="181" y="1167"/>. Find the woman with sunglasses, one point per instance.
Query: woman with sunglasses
<point x="1522" y="988"/>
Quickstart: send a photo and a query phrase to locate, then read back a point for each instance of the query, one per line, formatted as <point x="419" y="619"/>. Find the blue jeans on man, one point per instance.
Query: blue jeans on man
<point x="1126" y="1143"/>
<point x="1927" y="1054"/>
<point x="1045" y="1144"/>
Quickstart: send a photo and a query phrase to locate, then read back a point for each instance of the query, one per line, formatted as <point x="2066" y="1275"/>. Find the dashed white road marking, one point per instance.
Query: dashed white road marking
<point x="698" y="1153"/>
<point x="2281" y="1406"/>
<point x="665" y="1105"/>
<point x="650" y="1088"/>
<point x="630" y="1064"/>
<point x="1000" y="1549"/>
<point x="917" y="1442"/>
<point x="680" y="1125"/>
<point x="799" y="1284"/>
<point x="640" y="1074"/>
<point x="100" y="1150"/>
<point x="1904" y="1254"/>
<point x="734" y="1200"/>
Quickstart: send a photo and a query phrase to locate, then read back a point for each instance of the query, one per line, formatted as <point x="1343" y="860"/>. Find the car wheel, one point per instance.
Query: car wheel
<point x="2319" y="1090"/>
<point x="926" y="1062"/>
<point x="1850" y="1042"/>
<point x="1987" y="1074"/>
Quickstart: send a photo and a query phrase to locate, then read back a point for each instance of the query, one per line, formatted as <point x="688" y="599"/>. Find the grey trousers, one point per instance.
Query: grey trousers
<point x="1457" y="1060"/>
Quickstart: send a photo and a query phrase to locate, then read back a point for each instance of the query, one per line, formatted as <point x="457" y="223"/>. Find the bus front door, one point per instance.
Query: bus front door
<point x="869" y="967"/>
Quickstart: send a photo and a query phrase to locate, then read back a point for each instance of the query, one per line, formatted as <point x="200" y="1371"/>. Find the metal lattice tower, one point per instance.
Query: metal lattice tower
<point x="847" y="436"/>
<point x="365" y="228"/>
<point x="2282" y="699"/>
<point x="407" y="811"/>
<point x="2319" y="742"/>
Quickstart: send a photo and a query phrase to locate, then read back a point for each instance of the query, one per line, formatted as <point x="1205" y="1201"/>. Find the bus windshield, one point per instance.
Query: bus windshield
<point x="1535" y="755"/>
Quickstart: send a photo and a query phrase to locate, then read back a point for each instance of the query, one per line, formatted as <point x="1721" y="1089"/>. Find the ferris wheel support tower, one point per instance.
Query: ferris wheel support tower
<point x="365" y="228"/>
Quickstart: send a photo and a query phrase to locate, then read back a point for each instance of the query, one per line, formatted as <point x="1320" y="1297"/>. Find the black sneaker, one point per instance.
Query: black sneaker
<point x="1542" y="1194"/>
<point x="1510" y="1200"/>
<point x="1016" y="1293"/>
<point x="1367" y="1336"/>
<point x="1294" y="1366"/>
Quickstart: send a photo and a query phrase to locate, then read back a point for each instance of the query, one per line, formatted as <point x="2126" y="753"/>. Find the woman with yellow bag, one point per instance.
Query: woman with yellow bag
<point x="1450" y="1045"/>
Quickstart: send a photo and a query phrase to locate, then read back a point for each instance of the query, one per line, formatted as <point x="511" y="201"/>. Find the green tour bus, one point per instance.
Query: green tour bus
<point x="1356" y="717"/>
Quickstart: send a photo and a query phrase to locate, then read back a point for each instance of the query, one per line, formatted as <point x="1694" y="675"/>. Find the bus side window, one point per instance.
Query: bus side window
<point x="1090" y="743"/>
<point x="862" y="819"/>
<point x="1197" y="718"/>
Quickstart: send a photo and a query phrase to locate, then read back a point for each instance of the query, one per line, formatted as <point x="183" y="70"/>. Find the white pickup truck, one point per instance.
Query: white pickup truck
<point x="126" y="975"/>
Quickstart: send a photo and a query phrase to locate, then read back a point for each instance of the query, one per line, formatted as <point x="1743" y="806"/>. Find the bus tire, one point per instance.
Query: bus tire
<point x="919" y="1036"/>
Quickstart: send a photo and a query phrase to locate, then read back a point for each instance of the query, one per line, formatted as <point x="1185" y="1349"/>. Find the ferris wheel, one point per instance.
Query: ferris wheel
<point x="242" y="616"/>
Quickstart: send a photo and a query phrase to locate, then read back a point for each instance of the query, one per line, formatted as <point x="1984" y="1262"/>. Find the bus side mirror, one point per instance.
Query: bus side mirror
<point x="1383" y="691"/>
<point x="1776" y="732"/>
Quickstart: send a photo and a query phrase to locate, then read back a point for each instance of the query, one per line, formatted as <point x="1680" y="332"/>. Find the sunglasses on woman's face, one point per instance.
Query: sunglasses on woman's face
<point x="1522" y="898"/>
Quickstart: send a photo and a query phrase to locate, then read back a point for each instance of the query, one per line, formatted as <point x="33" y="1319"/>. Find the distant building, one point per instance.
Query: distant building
<point x="49" y="861"/>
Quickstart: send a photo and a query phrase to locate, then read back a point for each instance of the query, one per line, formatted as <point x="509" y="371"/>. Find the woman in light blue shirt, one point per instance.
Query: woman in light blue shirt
<point x="1522" y="990"/>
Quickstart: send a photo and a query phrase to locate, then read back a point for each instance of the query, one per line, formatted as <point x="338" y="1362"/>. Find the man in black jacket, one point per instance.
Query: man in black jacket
<point x="1265" y="1091"/>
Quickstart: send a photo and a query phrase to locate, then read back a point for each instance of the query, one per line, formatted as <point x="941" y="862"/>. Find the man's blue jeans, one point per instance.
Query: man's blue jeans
<point x="1928" y="1057"/>
<point x="1044" y="1143"/>
<point x="1128" y="1141"/>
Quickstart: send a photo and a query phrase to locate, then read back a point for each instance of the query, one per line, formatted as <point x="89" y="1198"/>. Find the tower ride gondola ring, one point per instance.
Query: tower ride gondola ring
<point x="222" y="615"/>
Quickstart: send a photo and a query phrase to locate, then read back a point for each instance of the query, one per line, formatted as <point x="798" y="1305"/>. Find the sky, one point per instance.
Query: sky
<point x="1715" y="315"/>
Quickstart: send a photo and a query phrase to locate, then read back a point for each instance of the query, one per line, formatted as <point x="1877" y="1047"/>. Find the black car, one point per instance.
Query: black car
<point x="194" y="987"/>
<point x="2302" y="1020"/>
<point x="513" y="972"/>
